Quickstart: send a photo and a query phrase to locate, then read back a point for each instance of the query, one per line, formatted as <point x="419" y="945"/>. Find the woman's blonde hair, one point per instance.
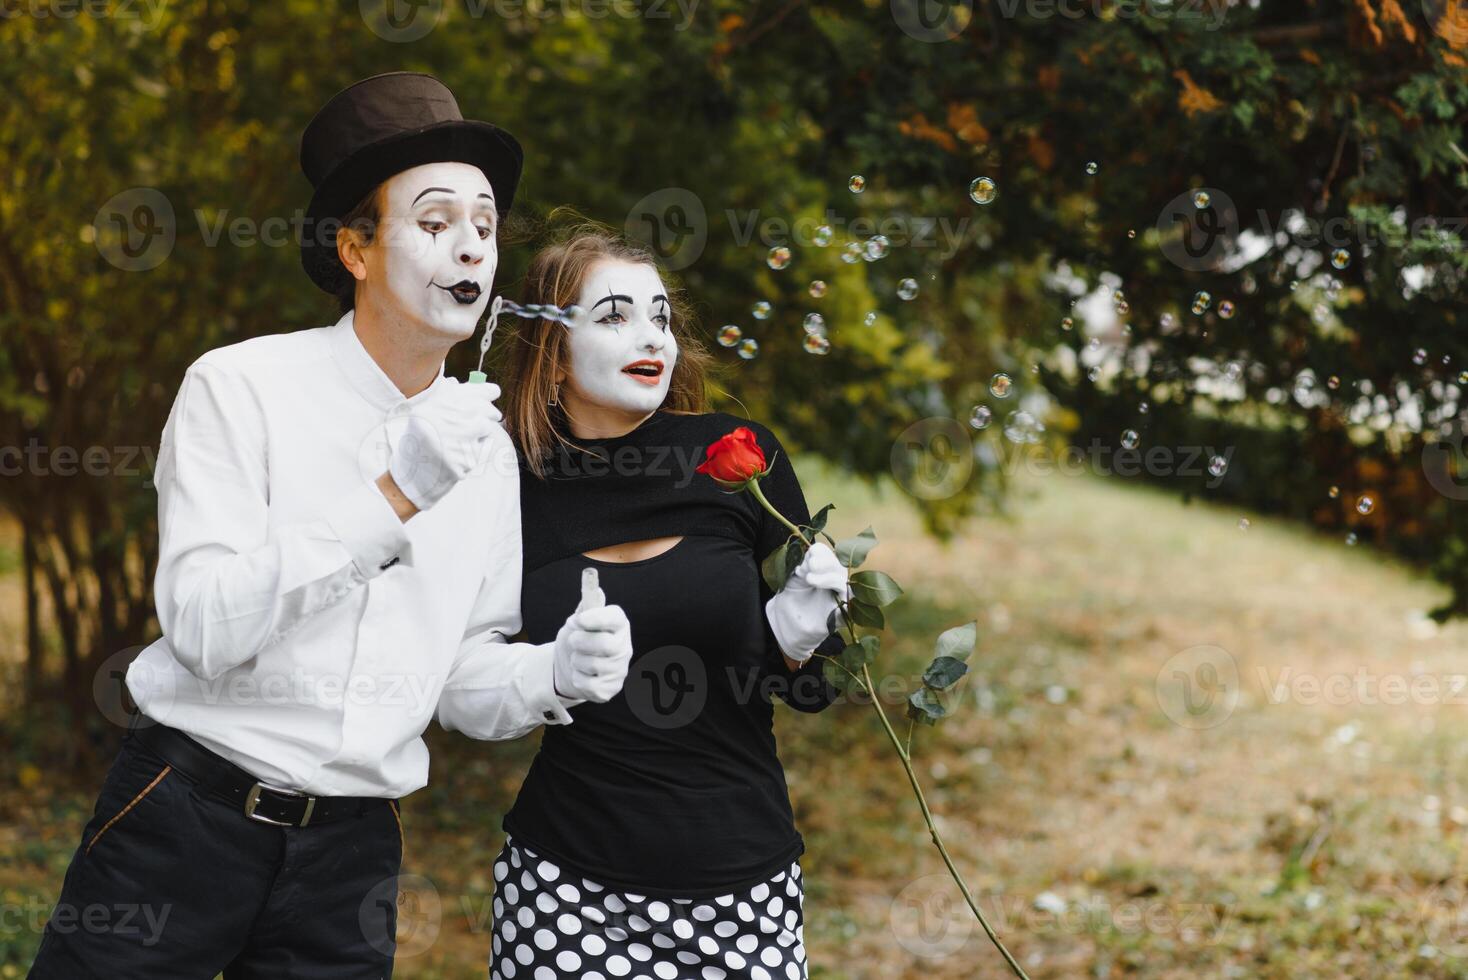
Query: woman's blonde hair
<point x="537" y="351"/>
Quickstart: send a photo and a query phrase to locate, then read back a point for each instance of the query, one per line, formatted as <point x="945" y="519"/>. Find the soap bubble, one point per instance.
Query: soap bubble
<point x="822" y="236"/>
<point x="1217" y="465"/>
<point x="729" y="335"/>
<point x="1335" y="492"/>
<point x="1351" y="539"/>
<point x="907" y="289"/>
<point x="1130" y="439"/>
<point x="1001" y="385"/>
<point x="980" y="417"/>
<point x="1201" y="300"/>
<point x="852" y="252"/>
<point x="1226" y="309"/>
<point x="814" y="323"/>
<point x="778" y="258"/>
<point x="1365" y="504"/>
<point x="1243" y="524"/>
<point x="748" y="348"/>
<point x="1201" y="199"/>
<point x="876" y="248"/>
<point x="983" y="190"/>
<point x="1340" y="258"/>
<point x="1092" y="167"/>
<point x="870" y="318"/>
<point x="1066" y="323"/>
<point x="1419" y="357"/>
<point x="857" y="183"/>
<point x="818" y="288"/>
<point x="761" y="310"/>
<point x="816" y="344"/>
<point x="1022" y="427"/>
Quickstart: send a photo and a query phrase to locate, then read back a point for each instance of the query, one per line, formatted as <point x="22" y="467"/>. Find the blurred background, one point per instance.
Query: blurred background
<point x="1134" y="327"/>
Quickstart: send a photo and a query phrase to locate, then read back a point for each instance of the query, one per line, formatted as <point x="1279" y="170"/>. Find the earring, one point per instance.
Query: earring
<point x="555" y="395"/>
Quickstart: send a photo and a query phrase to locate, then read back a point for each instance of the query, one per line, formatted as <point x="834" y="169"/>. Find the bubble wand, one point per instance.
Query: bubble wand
<point x="566" y="317"/>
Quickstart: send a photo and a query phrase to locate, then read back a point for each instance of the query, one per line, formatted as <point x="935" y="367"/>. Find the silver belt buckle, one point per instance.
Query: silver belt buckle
<point x="253" y="800"/>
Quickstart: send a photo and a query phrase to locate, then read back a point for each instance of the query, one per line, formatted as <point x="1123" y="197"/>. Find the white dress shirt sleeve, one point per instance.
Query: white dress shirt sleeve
<point x="227" y="584"/>
<point x="497" y="689"/>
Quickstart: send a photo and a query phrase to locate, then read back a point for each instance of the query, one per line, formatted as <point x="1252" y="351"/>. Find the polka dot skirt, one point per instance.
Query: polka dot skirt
<point x="550" y="924"/>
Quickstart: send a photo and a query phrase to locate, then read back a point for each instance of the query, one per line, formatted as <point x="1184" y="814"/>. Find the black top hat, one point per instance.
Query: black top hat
<point x="379" y="127"/>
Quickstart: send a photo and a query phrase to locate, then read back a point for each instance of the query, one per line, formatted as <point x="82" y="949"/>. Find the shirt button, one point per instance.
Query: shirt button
<point x="550" y="716"/>
<point x="389" y="563"/>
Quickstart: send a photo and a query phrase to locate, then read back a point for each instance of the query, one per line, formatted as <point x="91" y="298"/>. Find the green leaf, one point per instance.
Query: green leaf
<point x="840" y="679"/>
<point x="854" y="551"/>
<point x="793" y="554"/>
<point x="818" y="523"/>
<point x="874" y="588"/>
<point x="957" y="642"/>
<point x="863" y="614"/>
<point x="944" y="672"/>
<point x="773" y="568"/>
<point x="857" y="655"/>
<point x="924" y="706"/>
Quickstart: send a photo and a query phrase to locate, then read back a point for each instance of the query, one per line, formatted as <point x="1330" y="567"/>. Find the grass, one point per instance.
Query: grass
<point x="1308" y="836"/>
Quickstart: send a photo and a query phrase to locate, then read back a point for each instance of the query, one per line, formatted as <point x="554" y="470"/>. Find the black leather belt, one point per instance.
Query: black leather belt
<point x="226" y="781"/>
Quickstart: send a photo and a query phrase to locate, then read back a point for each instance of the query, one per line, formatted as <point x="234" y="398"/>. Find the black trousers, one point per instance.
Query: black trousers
<point x="171" y="883"/>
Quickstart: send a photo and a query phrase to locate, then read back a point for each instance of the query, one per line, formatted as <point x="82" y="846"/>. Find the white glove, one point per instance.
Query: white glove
<point x="443" y="441"/>
<point x="593" y="647"/>
<point x="799" y="613"/>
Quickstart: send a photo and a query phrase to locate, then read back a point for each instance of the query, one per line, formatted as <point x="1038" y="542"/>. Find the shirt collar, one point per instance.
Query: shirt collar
<point x="365" y="375"/>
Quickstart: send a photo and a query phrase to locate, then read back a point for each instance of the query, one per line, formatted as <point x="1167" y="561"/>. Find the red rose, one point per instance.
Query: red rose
<point x="735" y="459"/>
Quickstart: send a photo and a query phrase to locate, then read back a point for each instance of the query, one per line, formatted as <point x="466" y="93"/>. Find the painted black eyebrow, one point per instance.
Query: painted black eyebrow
<point x="430" y="190"/>
<point x="613" y="298"/>
<point x="659" y="298"/>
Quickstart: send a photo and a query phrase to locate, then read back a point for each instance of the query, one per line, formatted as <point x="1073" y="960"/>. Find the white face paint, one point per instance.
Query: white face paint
<point x="434" y="257"/>
<point x="627" y="324"/>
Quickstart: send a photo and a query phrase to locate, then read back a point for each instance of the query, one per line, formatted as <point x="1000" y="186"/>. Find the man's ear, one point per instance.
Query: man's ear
<point x="349" y="248"/>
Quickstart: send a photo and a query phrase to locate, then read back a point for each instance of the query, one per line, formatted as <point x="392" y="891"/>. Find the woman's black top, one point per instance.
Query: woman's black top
<point x="673" y="787"/>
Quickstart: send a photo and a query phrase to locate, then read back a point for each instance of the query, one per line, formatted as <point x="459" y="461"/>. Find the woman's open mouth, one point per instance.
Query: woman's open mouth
<point x="464" y="292"/>
<point x="647" y="372"/>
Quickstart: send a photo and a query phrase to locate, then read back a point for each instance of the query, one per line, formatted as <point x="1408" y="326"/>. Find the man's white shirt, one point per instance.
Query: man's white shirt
<point x="309" y="635"/>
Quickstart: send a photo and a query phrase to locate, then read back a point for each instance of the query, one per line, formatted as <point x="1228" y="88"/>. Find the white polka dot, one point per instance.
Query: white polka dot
<point x="707" y="944"/>
<point x="523" y="954"/>
<point x="616" y="934"/>
<point x="663" y="941"/>
<point x="735" y="961"/>
<point x="770" y="956"/>
<point x="665" y="970"/>
<point x="508" y="928"/>
<point x="768" y="925"/>
<point x="568" y="961"/>
<point x="618" y="966"/>
<point x="568" y="892"/>
<point x="509" y="968"/>
<point x="546" y="903"/>
<point x="591" y="886"/>
<point x="683" y="929"/>
<point x="759" y="973"/>
<point x="776" y="906"/>
<point x="545" y="939"/>
<point x="759" y="892"/>
<point x="526" y="917"/>
<point x="593" y="945"/>
<point x="527" y="880"/>
<point x="792" y="971"/>
<point x="568" y="924"/>
<point x="594" y="914"/>
<point x="515" y="858"/>
<point x="704" y="914"/>
<point x="746" y="944"/>
<point x="548" y="871"/>
<point x="635" y="898"/>
<point x="684" y="956"/>
<point x="745" y="912"/>
<point x="725" y="929"/>
<point x="713" y="973"/>
<point x="790" y="919"/>
<point x="658" y="911"/>
<point x="615" y="904"/>
<point x="500" y="870"/>
<point x="640" y="952"/>
<point x="725" y="900"/>
<point x="638" y="922"/>
<point x="544" y="973"/>
<point x="512" y="894"/>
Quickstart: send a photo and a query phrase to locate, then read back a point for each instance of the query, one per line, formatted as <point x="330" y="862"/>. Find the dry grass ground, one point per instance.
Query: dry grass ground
<point x="1274" y="831"/>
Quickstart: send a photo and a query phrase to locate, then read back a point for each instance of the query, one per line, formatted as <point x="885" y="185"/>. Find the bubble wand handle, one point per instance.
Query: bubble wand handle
<point x="477" y="376"/>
